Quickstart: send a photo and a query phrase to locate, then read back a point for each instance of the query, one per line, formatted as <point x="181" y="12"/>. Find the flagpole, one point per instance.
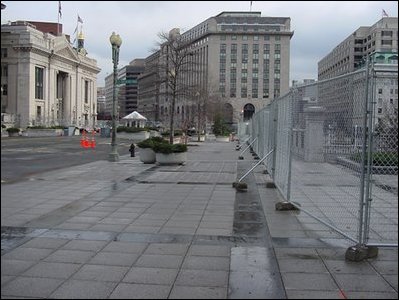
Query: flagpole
<point x="77" y="30"/>
<point x="58" y="18"/>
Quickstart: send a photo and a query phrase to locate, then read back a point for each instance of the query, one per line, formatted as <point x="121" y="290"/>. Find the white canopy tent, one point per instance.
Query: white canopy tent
<point x="135" y="119"/>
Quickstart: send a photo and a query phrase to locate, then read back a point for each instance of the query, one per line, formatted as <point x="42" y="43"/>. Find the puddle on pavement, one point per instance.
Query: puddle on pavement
<point x="12" y="237"/>
<point x="240" y="216"/>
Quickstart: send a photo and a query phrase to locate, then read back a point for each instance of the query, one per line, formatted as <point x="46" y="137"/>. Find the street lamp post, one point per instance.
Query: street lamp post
<point x="197" y="95"/>
<point x="116" y="42"/>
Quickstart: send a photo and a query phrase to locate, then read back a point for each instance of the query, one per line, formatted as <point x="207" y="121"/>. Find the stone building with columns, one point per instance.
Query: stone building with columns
<point x="44" y="79"/>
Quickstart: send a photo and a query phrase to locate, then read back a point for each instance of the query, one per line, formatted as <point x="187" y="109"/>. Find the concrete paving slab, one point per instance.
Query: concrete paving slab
<point x="306" y="281"/>
<point x="52" y="270"/>
<point x="30" y="287"/>
<point x="206" y="263"/>
<point x="100" y="273"/>
<point x="140" y="291"/>
<point x="204" y="278"/>
<point x="187" y="292"/>
<point x="159" y="261"/>
<point x="84" y="289"/>
<point x="160" y="276"/>
<point x="111" y="259"/>
<point x="70" y="256"/>
<point x="15" y="267"/>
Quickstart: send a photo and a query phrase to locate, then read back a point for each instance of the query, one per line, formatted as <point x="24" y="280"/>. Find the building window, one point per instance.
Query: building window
<point x="277" y="54"/>
<point x="39" y="79"/>
<point x="244" y="91"/>
<point x="4" y="53"/>
<point x="385" y="42"/>
<point x="222" y="48"/>
<point x="277" y="38"/>
<point x="233" y="48"/>
<point x="245" y="38"/>
<point x="256" y="38"/>
<point x="386" y="33"/>
<point x="4" y="89"/>
<point x="86" y="91"/>
<point x="38" y="113"/>
<point x="234" y="37"/>
<point x="233" y="92"/>
<point x="254" y="93"/>
<point x="4" y="71"/>
<point x="277" y="65"/>
<point x="222" y="67"/>
<point x="222" y="37"/>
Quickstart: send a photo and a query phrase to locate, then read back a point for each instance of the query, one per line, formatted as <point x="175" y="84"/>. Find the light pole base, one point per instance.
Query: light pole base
<point x="114" y="157"/>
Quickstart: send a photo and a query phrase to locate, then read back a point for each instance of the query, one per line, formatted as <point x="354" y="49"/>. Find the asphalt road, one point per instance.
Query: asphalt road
<point x="22" y="157"/>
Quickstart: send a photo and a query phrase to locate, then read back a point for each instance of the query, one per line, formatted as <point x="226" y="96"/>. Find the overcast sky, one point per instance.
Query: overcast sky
<point x="318" y="26"/>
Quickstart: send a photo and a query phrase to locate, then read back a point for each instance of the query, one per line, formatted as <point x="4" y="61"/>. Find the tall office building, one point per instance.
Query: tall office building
<point x="349" y="54"/>
<point x="127" y="88"/>
<point x="241" y="58"/>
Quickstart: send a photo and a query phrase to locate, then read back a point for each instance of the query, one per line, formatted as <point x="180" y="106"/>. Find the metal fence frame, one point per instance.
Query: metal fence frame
<point x="274" y="130"/>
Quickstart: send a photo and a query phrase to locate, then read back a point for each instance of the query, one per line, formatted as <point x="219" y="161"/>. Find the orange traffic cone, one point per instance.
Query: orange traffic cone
<point x="82" y="140"/>
<point x="93" y="142"/>
<point x="86" y="142"/>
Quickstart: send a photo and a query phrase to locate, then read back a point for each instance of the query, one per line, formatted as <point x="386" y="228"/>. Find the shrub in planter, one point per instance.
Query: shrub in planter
<point x="167" y="148"/>
<point x="170" y="153"/>
<point x="13" y="131"/>
<point x="147" y="154"/>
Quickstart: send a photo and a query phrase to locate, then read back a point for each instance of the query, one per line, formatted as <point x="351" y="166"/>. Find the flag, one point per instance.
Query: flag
<point x="59" y="9"/>
<point x="384" y="13"/>
<point x="80" y="19"/>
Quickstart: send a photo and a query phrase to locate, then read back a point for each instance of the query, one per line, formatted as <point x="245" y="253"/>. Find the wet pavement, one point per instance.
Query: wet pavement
<point x="131" y="230"/>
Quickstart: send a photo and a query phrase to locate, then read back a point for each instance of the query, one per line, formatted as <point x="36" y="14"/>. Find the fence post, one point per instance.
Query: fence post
<point x="370" y="131"/>
<point x="360" y="251"/>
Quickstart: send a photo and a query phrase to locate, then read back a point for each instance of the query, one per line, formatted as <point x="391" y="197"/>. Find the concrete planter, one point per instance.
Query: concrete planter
<point x="147" y="155"/>
<point x="194" y="138"/>
<point x="171" y="158"/>
<point x="12" y="134"/>
<point x="43" y="132"/>
<point x="222" y="139"/>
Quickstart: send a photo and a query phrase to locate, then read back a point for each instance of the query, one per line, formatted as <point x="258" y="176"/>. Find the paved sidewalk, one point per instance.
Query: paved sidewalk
<point x="130" y="230"/>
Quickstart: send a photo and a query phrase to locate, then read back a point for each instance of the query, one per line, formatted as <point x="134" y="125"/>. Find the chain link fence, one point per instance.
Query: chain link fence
<point x="335" y="154"/>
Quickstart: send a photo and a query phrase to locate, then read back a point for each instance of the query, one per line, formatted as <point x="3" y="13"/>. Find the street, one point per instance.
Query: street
<point x="22" y="157"/>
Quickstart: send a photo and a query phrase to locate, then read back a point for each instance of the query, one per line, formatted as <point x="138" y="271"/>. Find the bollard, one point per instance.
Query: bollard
<point x="131" y="150"/>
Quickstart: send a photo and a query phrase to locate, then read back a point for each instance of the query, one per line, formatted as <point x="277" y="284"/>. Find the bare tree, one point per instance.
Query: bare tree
<point x="175" y="64"/>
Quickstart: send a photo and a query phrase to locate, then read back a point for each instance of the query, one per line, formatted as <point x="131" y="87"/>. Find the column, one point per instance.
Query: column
<point x="314" y="136"/>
